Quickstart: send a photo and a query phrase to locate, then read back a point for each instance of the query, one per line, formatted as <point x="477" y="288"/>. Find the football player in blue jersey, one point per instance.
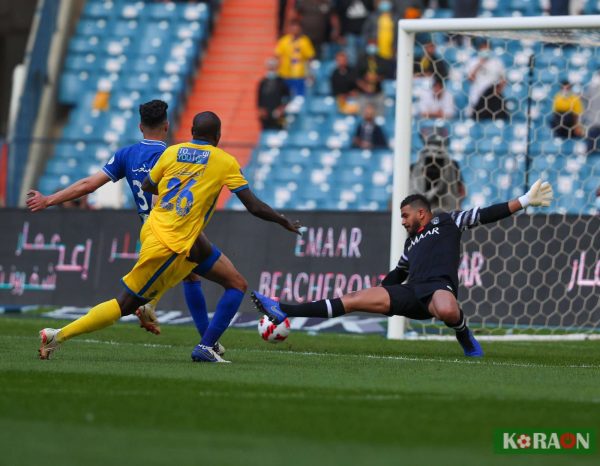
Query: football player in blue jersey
<point x="424" y="284"/>
<point x="134" y="163"/>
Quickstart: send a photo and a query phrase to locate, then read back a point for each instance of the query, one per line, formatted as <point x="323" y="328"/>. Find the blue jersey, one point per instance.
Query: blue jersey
<point x="134" y="163"/>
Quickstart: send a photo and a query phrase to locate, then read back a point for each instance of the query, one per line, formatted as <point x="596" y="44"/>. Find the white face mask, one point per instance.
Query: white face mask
<point x="484" y="54"/>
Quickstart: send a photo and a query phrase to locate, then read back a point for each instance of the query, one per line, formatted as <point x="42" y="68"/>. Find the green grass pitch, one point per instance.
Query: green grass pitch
<point x="123" y="396"/>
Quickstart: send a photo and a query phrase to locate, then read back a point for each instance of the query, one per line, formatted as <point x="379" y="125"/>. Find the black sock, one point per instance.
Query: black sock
<point x="327" y="308"/>
<point x="461" y="329"/>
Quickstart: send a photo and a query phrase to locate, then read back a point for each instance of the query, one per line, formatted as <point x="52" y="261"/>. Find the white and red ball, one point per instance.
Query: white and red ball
<point x="272" y="333"/>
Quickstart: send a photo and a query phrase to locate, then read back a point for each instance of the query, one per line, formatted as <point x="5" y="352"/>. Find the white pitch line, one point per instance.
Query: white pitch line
<point x="483" y="362"/>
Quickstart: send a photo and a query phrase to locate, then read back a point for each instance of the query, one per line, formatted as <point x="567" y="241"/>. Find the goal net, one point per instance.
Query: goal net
<point x="484" y="107"/>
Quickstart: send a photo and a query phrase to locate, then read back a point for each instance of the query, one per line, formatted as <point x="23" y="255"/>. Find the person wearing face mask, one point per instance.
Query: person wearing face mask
<point x="273" y="95"/>
<point x="371" y="71"/>
<point x="486" y="74"/>
<point x="380" y="28"/>
<point x="566" y="110"/>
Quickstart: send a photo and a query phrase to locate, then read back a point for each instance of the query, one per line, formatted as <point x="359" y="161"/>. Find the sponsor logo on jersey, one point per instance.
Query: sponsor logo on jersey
<point x="435" y="220"/>
<point x="416" y="239"/>
<point x="142" y="169"/>
<point x="191" y="155"/>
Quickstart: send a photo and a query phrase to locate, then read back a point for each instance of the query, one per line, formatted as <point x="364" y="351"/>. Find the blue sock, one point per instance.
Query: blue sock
<point x="196" y="304"/>
<point x="226" y="309"/>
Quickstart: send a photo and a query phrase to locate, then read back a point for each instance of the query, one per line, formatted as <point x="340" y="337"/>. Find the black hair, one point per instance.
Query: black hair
<point x="416" y="200"/>
<point x="153" y="113"/>
<point x="207" y="125"/>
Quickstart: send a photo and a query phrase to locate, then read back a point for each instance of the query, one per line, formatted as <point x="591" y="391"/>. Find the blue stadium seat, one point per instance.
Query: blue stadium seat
<point x="98" y="9"/>
<point x="125" y="29"/>
<point x="159" y="11"/>
<point x="84" y="45"/>
<point x="147" y="50"/>
<point x="91" y="27"/>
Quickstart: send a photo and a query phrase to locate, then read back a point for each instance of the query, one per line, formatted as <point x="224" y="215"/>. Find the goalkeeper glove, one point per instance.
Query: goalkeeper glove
<point x="540" y="194"/>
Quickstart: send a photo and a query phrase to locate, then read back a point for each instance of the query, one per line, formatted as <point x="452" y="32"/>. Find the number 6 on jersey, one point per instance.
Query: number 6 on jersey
<point x="175" y="192"/>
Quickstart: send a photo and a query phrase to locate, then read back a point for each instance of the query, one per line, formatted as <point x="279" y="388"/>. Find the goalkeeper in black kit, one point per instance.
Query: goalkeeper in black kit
<point x="424" y="284"/>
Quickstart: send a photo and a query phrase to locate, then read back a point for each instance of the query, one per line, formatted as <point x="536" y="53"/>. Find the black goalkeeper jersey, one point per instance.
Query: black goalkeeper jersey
<point x="433" y="254"/>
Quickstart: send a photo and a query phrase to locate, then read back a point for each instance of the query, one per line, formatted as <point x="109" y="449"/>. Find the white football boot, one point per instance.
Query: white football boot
<point x="148" y="320"/>
<point x="48" y="342"/>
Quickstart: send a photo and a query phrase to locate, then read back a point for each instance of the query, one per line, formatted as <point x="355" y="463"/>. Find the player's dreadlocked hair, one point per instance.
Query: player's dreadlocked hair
<point x="416" y="200"/>
<point x="153" y="113"/>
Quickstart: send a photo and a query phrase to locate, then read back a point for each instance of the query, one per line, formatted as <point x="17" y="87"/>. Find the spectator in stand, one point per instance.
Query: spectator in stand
<point x="591" y="114"/>
<point x="369" y="135"/>
<point x="273" y="95"/>
<point x="437" y="102"/>
<point x="409" y="9"/>
<point x="281" y="16"/>
<point x="102" y="98"/>
<point x="348" y="22"/>
<point x="486" y="73"/>
<point x="315" y="19"/>
<point x="566" y="111"/>
<point x="464" y="9"/>
<point x="370" y="73"/>
<point x="436" y="176"/>
<point x="380" y="27"/>
<point x="431" y="64"/>
<point x="559" y="7"/>
<point x="295" y="51"/>
<point x="343" y="85"/>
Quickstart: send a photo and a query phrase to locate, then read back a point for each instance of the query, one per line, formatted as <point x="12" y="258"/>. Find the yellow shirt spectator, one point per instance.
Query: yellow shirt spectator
<point x="385" y="36"/>
<point x="294" y="53"/>
<point x="569" y="102"/>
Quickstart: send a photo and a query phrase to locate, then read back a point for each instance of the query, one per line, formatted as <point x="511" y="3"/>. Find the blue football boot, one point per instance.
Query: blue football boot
<point x="203" y="353"/>
<point x="268" y="307"/>
<point x="472" y="348"/>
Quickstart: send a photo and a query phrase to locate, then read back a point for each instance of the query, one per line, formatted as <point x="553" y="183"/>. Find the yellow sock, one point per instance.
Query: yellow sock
<point x="100" y="316"/>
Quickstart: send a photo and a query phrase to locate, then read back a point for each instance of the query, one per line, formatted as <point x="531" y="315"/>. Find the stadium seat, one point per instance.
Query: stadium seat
<point x="147" y="50"/>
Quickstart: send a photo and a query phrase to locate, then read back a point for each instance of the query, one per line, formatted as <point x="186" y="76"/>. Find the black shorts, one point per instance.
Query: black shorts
<point x="412" y="300"/>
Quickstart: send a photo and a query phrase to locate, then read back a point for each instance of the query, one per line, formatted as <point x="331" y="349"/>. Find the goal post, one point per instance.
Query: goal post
<point x="526" y="143"/>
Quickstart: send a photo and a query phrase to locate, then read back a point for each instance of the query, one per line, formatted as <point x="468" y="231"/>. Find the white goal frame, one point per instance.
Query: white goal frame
<point x="402" y="140"/>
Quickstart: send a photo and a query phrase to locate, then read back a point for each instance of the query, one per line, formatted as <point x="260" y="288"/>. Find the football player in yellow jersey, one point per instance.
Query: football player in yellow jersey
<point x="187" y="179"/>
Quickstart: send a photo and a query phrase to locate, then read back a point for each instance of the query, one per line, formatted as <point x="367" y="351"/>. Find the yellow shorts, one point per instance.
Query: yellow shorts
<point x="157" y="269"/>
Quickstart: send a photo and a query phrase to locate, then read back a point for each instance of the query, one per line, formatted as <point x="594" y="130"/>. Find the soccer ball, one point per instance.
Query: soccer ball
<point x="272" y="333"/>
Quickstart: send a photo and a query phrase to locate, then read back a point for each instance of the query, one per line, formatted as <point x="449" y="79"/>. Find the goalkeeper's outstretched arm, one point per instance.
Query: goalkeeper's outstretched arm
<point x="540" y="194"/>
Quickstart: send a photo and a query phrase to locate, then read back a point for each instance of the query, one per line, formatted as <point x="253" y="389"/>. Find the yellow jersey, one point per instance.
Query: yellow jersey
<point x="385" y="36"/>
<point x="189" y="177"/>
<point x="564" y="103"/>
<point x="293" y="55"/>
